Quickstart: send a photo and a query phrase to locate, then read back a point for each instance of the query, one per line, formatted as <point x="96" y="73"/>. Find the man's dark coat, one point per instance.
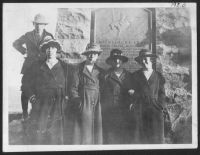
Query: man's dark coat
<point x="32" y="43"/>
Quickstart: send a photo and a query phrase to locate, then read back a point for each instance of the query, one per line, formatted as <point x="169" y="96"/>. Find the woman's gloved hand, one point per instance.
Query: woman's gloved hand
<point x="131" y="107"/>
<point x="33" y="99"/>
<point x="131" y="92"/>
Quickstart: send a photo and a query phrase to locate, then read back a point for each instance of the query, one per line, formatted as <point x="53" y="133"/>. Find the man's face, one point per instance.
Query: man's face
<point x="117" y="63"/>
<point x="147" y="63"/>
<point x="39" y="27"/>
<point x="51" y="52"/>
<point x="92" y="57"/>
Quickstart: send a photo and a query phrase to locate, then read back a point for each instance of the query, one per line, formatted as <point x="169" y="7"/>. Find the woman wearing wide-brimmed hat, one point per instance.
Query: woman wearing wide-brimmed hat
<point x="46" y="89"/>
<point x="85" y="97"/>
<point x="115" y="99"/>
<point x="149" y="101"/>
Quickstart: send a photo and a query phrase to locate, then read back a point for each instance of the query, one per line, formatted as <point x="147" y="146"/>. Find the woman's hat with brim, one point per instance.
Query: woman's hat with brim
<point x="116" y="54"/>
<point x="40" y="19"/>
<point x="144" y="53"/>
<point x="49" y="42"/>
<point x="92" y="48"/>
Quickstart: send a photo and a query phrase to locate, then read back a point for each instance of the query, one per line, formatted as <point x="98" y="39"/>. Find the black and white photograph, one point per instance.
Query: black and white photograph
<point x="99" y="76"/>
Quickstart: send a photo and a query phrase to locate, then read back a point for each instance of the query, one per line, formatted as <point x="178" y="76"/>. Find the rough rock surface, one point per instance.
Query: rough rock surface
<point x="73" y="29"/>
<point x="174" y="50"/>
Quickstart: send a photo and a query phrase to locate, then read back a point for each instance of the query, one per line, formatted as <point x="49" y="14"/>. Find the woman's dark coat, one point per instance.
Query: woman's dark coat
<point x="85" y="97"/>
<point x="115" y="107"/>
<point x="149" y="102"/>
<point x="49" y="86"/>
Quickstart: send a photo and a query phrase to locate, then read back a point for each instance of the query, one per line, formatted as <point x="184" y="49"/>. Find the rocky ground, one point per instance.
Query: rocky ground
<point x="180" y="134"/>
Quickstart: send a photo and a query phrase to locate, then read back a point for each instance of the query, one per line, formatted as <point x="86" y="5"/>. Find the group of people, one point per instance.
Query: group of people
<point x="83" y="103"/>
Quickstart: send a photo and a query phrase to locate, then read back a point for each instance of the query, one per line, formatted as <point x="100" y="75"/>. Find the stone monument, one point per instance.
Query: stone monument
<point x="73" y="29"/>
<point x="128" y="29"/>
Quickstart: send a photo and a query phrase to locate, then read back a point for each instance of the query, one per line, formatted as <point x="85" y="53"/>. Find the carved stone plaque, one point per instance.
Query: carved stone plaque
<point x="73" y="29"/>
<point x="127" y="29"/>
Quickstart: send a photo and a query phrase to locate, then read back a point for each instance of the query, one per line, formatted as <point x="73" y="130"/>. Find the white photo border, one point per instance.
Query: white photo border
<point x="35" y="148"/>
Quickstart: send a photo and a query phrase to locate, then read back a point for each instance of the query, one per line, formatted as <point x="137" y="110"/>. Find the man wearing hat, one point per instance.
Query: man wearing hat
<point x="149" y="101"/>
<point x="115" y="99"/>
<point x="32" y="41"/>
<point x="47" y="92"/>
<point x="85" y="96"/>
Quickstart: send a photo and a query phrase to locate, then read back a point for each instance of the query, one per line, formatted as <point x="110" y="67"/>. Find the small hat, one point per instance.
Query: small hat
<point x="40" y="19"/>
<point x="144" y="53"/>
<point x="116" y="54"/>
<point x="48" y="41"/>
<point x="92" y="48"/>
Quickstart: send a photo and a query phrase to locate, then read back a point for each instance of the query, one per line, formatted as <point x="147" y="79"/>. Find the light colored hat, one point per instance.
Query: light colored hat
<point x="40" y="19"/>
<point x="92" y="48"/>
<point x="144" y="53"/>
<point x="49" y="42"/>
<point x="116" y="54"/>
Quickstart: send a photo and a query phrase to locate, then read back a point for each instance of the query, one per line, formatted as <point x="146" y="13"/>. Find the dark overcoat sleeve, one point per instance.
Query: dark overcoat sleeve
<point x="161" y="91"/>
<point x="135" y="86"/>
<point x="18" y="44"/>
<point x="75" y="81"/>
<point x="102" y="80"/>
<point x="67" y="73"/>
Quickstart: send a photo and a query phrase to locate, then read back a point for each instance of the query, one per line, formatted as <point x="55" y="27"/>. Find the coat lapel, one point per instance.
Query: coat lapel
<point x="143" y="81"/>
<point x="95" y="72"/>
<point x="43" y="36"/>
<point x="91" y="75"/>
<point x="31" y="37"/>
<point x="86" y="72"/>
<point x="122" y="76"/>
<point x="46" y="69"/>
<point x="49" y="71"/>
<point x="152" y="78"/>
<point x="55" y="67"/>
<point x="118" y="79"/>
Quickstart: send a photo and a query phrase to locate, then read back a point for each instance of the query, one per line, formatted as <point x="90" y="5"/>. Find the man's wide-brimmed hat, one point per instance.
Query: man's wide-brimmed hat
<point x="40" y="19"/>
<point x="92" y="48"/>
<point x="48" y="41"/>
<point x="144" y="53"/>
<point x="116" y="54"/>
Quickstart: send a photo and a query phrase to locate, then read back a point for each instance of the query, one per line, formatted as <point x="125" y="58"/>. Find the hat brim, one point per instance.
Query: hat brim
<point x="92" y="52"/>
<point x="139" y="58"/>
<point x="43" y="23"/>
<point x="50" y="43"/>
<point x="109" y="60"/>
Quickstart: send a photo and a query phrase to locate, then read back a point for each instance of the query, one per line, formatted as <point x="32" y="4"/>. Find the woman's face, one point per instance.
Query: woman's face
<point x="92" y="58"/>
<point x="51" y="52"/>
<point x="117" y="63"/>
<point x="147" y="63"/>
